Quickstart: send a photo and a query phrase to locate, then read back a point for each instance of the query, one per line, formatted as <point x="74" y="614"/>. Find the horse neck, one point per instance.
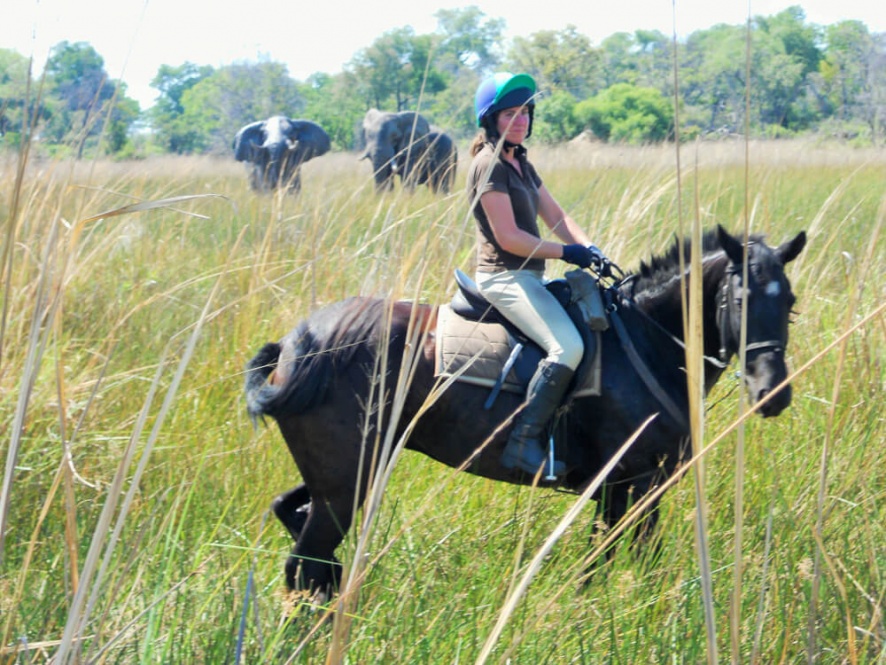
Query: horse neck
<point x="663" y="304"/>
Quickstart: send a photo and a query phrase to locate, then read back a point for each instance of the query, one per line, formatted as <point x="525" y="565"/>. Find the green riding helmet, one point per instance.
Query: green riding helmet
<point x="503" y="90"/>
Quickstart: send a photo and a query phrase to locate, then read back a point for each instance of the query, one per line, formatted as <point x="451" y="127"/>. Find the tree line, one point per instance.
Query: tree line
<point x="777" y="76"/>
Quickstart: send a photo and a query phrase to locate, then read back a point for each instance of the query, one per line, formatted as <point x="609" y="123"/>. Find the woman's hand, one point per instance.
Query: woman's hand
<point x="580" y="255"/>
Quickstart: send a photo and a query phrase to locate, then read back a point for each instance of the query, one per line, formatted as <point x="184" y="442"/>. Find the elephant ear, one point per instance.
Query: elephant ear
<point x="248" y="136"/>
<point x="293" y="129"/>
<point x="297" y="130"/>
<point x="312" y="137"/>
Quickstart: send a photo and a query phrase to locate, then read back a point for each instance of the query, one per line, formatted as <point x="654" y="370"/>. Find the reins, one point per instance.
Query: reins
<point x="615" y="295"/>
<point x="719" y="364"/>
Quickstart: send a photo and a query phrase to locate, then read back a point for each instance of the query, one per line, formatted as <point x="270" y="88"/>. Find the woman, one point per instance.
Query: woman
<point x="507" y="196"/>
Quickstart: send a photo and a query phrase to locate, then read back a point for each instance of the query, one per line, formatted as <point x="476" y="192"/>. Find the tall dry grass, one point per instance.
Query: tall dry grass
<point x="135" y="490"/>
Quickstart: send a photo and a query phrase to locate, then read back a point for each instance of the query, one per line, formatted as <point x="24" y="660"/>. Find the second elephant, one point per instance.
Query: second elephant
<point x="276" y="148"/>
<point x="387" y="135"/>
<point x="431" y="159"/>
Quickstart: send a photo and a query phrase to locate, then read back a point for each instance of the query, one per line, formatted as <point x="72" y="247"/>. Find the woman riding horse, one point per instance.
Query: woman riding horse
<point x="507" y="196"/>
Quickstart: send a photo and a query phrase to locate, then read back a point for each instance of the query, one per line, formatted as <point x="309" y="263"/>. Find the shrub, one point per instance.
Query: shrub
<point x="627" y="114"/>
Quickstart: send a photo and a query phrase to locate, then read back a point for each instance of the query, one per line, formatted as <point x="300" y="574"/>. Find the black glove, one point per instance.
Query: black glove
<point x="602" y="265"/>
<point x="579" y="255"/>
<point x="599" y="257"/>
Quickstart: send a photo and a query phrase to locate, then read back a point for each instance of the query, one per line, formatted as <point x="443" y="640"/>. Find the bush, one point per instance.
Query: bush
<point x="627" y="114"/>
<point x="555" y="119"/>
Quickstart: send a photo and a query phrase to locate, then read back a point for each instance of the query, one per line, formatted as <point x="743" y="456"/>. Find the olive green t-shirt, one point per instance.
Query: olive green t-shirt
<point x="523" y="192"/>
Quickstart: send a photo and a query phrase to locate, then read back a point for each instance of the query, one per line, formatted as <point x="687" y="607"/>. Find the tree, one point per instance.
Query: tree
<point x="123" y="116"/>
<point x="14" y="97"/>
<point x="397" y="69"/>
<point x="425" y="79"/>
<point x="331" y="102"/>
<point x="785" y="53"/>
<point x="558" y="60"/>
<point x="627" y="114"/>
<point x="88" y="98"/>
<point x="470" y="38"/>
<point x="799" y="40"/>
<point x="617" y="60"/>
<point x="77" y="77"/>
<point x="654" y="58"/>
<point x="554" y="120"/>
<point x="217" y="106"/>
<point x="167" y="115"/>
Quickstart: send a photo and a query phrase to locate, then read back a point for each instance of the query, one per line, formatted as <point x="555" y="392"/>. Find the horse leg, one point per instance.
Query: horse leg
<point x="312" y="565"/>
<point x="645" y="536"/>
<point x="292" y="508"/>
<point x="618" y="499"/>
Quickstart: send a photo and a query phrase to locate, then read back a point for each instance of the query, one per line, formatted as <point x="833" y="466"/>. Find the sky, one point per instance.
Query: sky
<point x="136" y="37"/>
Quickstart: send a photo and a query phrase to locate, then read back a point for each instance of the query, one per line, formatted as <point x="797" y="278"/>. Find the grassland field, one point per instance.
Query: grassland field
<point x="136" y="489"/>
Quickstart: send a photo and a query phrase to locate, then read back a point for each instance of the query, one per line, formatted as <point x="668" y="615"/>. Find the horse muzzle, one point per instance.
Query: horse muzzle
<point x="775" y="404"/>
<point x="763" y="374"/>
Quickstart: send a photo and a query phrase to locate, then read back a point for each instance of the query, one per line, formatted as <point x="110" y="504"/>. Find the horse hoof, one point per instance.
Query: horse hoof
<point x="304" y="608"/>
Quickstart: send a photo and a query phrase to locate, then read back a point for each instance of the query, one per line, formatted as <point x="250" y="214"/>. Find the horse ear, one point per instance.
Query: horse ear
<point x="730" y="245"/>
<point x="790" y="250"/>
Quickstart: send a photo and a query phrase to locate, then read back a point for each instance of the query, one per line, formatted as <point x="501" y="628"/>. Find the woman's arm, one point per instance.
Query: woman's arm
<point x="558" y="221"/>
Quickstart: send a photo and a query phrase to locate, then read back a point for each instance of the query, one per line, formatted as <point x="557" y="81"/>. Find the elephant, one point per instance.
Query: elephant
<point x="431" y="160"/>
<point x="276" y="148"/>
<point x="388" y="134"/>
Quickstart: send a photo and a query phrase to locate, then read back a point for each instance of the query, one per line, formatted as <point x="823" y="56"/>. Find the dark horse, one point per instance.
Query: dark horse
<point x="344" y="376"/>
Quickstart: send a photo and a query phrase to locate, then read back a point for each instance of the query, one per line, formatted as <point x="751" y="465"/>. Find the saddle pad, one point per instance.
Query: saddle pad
<point x="479" y="351"/>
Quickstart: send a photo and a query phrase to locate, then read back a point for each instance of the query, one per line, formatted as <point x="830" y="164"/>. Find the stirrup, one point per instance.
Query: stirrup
<point x="529" y="458"/>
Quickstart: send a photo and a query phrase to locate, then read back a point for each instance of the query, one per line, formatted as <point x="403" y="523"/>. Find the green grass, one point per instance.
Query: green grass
<point x="159" y="516"/>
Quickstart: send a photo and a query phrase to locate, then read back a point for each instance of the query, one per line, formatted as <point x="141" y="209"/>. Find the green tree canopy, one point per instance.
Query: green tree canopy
<point x="558" y="60"/>
<point x="785" y="53"/>
<point x="627" y="114"/>
<point x="713" y="78"/>
<point x="173" y="132"/>
<point x="773" y="75"/>
<point x="14" y="97"/>
<point x="86" y="98"/>
<point x="470" y="38"/>
<point x="397" y="69"/>
<point x="217" y="106"/>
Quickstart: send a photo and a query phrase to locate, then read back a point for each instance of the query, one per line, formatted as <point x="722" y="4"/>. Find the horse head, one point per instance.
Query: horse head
<point x="768" y="299"/>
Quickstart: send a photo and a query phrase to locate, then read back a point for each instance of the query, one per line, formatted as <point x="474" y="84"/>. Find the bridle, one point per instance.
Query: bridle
<point x="725" y="309"/>
<point x="618" y="295"/>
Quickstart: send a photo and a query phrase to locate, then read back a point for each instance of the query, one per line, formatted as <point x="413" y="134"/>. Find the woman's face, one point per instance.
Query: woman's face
<point x="513" y="123"/>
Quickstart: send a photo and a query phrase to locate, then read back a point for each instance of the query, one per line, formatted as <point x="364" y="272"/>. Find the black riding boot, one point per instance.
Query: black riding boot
<point x="526" y="448"/>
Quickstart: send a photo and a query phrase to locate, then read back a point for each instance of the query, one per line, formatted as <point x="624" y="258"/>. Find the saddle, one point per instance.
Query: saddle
<point x="477" y="345"/>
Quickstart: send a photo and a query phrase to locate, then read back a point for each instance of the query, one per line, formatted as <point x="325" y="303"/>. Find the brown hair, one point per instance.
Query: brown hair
<point x="479" y="141"/>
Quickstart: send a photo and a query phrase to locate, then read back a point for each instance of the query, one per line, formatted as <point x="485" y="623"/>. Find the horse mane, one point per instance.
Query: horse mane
<point x="660" y="268"/>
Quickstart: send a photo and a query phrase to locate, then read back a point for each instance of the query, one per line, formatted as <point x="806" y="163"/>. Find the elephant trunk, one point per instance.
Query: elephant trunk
<point x="382" y="164"/>
<point x="276" y="153"/>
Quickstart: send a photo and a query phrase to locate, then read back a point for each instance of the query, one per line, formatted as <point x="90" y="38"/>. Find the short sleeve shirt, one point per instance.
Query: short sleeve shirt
<point x="523" y="192"/>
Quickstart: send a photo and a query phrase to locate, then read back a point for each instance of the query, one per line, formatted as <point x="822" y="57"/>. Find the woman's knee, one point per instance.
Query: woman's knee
<point x="569" y="353"/>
